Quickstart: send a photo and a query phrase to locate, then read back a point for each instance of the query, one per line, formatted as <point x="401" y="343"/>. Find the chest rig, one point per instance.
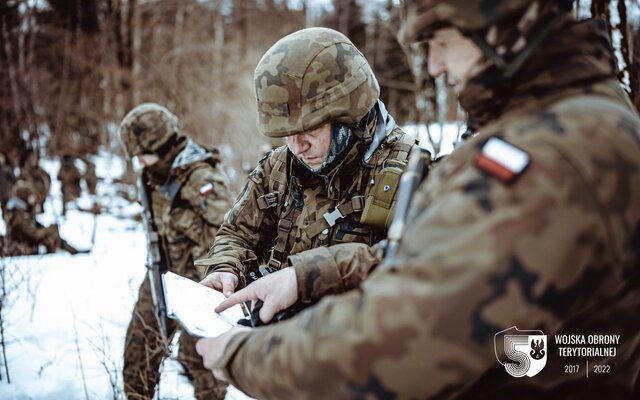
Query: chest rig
<point x="283" y="197"/>
<point x="165" y="200"/>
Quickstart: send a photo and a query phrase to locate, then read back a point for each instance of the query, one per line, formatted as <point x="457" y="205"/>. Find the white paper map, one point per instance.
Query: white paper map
<point x="193" y="305"/>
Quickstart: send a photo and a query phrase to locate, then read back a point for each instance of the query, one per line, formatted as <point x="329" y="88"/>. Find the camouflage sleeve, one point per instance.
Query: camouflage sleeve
<point x="23" y="225"/>
<point x="207" y="195"/>
<point x="333" y="270"/>
<point x="479" y="256"/>
<point x="245" y="232"/>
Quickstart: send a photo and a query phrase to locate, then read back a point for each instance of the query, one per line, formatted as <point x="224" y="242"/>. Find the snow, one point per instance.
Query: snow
<point x="65" y="317"/>
<point x="445" y="135"/>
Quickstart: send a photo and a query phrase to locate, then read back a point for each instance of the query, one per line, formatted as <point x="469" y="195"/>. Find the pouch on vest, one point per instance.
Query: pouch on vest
<point x="381" y="199"/>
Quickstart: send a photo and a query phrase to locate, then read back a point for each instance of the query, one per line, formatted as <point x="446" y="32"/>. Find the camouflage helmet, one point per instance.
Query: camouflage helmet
<point x="422" y="17"/>
<point x="147" y="128"/>
<point x="311" y="77"/>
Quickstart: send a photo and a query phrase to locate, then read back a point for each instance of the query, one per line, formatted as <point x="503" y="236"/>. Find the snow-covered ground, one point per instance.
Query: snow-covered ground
<point x="64" y="317"/>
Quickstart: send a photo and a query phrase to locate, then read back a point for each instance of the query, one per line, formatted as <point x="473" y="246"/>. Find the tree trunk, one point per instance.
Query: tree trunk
<point x="136" y="26"/>
<point x="13" y="78"/>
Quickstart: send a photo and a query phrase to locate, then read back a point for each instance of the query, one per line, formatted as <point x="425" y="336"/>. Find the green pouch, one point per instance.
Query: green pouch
<point x="381" y="198"/>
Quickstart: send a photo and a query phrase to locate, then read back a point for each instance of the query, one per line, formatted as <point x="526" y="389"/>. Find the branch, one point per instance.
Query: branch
<point x="77" y="343"/>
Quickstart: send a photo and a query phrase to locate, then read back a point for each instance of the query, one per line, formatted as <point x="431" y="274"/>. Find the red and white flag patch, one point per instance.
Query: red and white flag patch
<point x="206" y="189"/>
<point x="502" y="160"/>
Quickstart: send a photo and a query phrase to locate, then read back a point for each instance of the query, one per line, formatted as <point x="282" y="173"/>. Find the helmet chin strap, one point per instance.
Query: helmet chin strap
<point x="509" y="69"/>
<point x="385" y="125"/>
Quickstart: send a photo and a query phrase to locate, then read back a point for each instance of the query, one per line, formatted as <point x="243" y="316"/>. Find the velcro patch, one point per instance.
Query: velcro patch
<point x="206" y="189"/>
<point x="502" y="160"/>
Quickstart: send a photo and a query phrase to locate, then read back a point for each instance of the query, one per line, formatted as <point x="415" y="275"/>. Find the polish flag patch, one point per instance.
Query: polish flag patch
<point x="206" y="189"/>
<point x="502" y="160"/>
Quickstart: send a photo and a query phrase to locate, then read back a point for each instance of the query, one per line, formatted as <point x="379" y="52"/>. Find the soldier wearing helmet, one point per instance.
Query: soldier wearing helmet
<point x="31" y="171"/>
<point x="25" y="235"/>
<point x="69" y="176"/>
<point x="532" y="224"/>
<point x="189" y="196"/>
<point x="333" y="182"/>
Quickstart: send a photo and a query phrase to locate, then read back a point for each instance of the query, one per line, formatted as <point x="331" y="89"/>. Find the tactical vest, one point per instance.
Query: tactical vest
<point x="361" y="213"/>
<point x="164" y="200"/>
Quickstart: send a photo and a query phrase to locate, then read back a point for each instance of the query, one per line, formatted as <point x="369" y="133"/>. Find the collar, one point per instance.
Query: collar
<point x="587" y="58"/>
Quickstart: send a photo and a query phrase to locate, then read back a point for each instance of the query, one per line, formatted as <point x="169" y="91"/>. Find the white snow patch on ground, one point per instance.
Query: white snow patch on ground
<point x="65" y="317"/>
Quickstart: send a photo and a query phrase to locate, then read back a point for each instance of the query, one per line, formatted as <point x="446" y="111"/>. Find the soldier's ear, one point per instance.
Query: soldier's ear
<point x="137" y="129"/>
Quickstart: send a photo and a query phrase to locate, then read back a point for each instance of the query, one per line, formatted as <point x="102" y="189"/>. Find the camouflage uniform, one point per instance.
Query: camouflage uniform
<point x="37" y="177"/>
<point x="556" y="248"/>
<point x="69" y="177"/>
<point x="285" y="208"/>
<point x="188" y="204"/>
<point x="90" y="176"/>
<point x="7" y="180"/>
<point x="24" y="233"/>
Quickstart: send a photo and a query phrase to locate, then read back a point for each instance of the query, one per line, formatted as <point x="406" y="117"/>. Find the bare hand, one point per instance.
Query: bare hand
<point x="212" y="349"/>
<point x="278" y="291"/>
<point x="224" y="282"/>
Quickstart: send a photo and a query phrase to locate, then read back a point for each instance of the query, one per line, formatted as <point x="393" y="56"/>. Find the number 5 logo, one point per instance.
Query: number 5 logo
<point x="521" y="352"/>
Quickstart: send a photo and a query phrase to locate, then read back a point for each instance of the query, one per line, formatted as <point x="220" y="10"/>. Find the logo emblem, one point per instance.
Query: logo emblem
<point x="521" y="352"/>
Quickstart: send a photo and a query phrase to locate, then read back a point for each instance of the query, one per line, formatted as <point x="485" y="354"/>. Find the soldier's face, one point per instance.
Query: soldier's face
<point x="32" y="200"/>
<point x="452" y="53"/>
<point x="147" y="159"/>
<point x="311" y="147"/>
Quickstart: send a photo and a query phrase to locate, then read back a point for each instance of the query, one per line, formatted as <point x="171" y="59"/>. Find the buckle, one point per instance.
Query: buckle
<point x="271" y="199"/>
<point x="357" y="203"/>
<point x="273" y="264"/>
<point x="333" y="216"/>
<point x="285" y="225"/>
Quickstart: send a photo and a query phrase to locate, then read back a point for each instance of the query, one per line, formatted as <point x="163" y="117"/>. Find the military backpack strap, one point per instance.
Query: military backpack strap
<point x="402" y="148"/>
<point x="278" y="183"/>
<point x="277" y="254"/>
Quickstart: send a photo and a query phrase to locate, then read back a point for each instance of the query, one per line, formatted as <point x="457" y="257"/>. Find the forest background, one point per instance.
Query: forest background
<point x="70" y="70"/>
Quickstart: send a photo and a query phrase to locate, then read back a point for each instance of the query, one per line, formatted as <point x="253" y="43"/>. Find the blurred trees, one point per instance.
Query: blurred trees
<point x="70" y="70"/>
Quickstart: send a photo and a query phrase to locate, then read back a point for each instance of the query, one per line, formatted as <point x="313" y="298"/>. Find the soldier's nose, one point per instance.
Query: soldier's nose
<point x="297" y="144"/>
<point x="435" y="65"/>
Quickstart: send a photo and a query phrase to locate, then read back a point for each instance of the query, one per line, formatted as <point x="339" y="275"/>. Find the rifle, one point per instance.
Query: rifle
<point x="156" y="259"/>
<point x="417" y="169"/>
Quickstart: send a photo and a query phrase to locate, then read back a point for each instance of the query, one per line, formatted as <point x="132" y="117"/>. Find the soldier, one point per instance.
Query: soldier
<point x="24" y="233"/>
<point x="7" y="179"/>
<point x="534" y="223"/>
<point x="188" y="196"/>
<point x="69" y="177"/>
<point x="31" y="171"/>
<point x="335" y="179"/>
<point x="90" y="175"/>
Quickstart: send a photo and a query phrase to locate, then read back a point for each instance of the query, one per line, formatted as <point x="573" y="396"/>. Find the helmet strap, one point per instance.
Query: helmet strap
<point x="509" y="69"/>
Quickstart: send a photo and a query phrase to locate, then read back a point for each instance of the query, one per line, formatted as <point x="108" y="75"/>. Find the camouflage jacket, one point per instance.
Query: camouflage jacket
<point x="24" y="232"/>
<point x="333" y="270"/>
<point x="40" y="179"/>
<point x="284" y="210"/>
<point x="548" y="250"/>
<point x="189" y="208"/>
<point x="7" y="179"/>
<point x="70" y="177"/>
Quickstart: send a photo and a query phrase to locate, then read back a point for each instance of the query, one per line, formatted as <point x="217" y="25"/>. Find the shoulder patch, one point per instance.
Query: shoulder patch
<point x="502" y="160"/>
<point x="206" y="189"/>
